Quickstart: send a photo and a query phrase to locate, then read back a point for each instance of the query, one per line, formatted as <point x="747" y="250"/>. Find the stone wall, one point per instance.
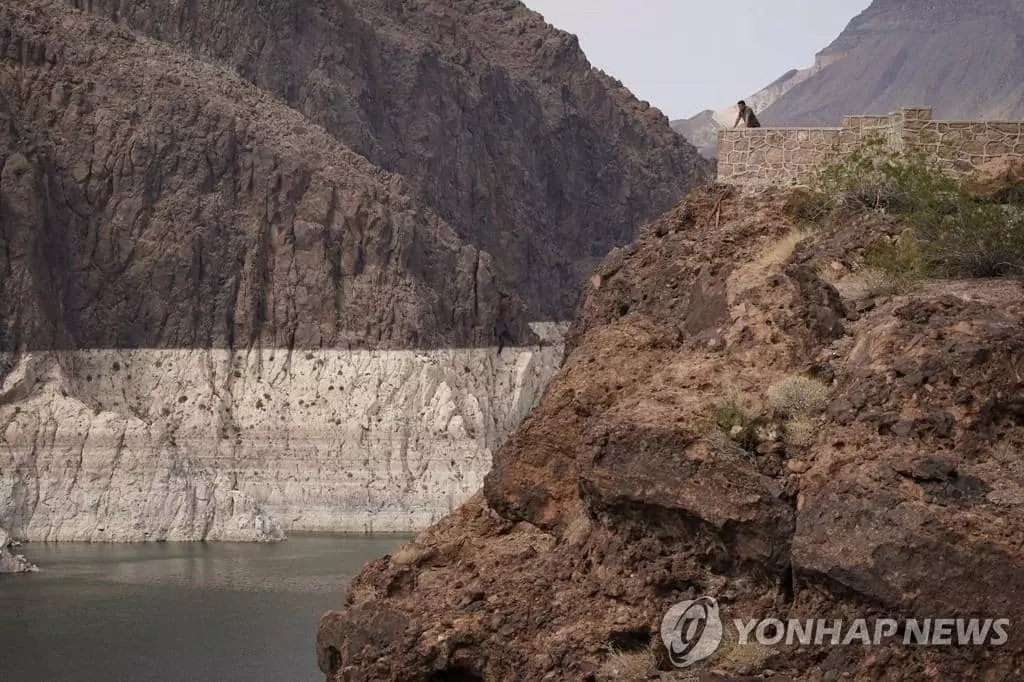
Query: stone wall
<point x="773" y="155"/>
<point x="961" y="145"/>
<point x="790" y="155"/>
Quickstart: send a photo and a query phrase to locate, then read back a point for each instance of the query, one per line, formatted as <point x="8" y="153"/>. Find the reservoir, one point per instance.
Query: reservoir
<point x="170" y="612"/>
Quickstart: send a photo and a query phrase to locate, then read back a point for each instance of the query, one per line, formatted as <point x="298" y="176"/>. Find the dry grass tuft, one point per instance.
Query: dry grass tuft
<point x="722" y="444"/>
<point x="628" y="665"/>
<point x="779" y="252"/>
<point x="578" y="531"/>
<point x="878" y="282"/>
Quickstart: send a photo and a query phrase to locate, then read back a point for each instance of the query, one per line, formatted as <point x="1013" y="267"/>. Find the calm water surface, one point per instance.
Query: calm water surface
<point x="176" y="612"/>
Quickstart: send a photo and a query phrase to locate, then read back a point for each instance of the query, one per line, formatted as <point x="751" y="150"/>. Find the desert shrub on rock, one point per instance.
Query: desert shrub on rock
<point x="797" y="395"/>
<point x="894" y="266"/>
<point x="957" y="234"/>
<point x="734" y="430"/>
<point x="799" y="432"/>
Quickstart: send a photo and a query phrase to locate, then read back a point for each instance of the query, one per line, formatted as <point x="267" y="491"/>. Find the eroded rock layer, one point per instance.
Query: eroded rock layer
<point x="152" y="200"/>
<point x="497" y="120"/>
<point x="172" y="444"/>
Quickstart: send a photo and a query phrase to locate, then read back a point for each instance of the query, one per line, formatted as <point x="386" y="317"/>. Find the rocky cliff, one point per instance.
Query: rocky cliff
<point x="740" y="415"/>
<point x="9" y="561"/>
<point x="496" y="120"/>
<point x="220" y="319"/>
<point x="961" y="58"/>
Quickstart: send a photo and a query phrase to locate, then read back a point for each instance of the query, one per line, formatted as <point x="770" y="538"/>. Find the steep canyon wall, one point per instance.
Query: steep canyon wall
<point x="268" y="266"/>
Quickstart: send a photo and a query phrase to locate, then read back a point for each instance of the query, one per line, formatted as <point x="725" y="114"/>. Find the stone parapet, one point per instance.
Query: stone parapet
<point x="773" y="155"/>
<point x="791" y="155"/>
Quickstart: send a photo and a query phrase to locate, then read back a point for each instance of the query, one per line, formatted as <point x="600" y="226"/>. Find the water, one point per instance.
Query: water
<point x="176" y="612"/>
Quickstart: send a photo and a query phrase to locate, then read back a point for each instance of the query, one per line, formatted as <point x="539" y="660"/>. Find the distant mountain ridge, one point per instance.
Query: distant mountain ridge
<point x="964" y="59"/>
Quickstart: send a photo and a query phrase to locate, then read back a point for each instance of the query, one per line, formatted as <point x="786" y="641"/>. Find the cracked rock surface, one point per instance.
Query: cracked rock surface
<point x="636" y="483"/>
<point x="496" y="121"/>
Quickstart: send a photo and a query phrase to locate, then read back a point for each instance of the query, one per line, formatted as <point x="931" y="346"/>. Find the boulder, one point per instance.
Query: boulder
<point x="11" y="562"/>
<point x="1000" y="179"/>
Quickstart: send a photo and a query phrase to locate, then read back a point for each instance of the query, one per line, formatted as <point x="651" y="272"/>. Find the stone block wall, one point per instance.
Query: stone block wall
<point x="791" y="155"/>
<point x="773" y="155"/>
<point x="962" y="145"/>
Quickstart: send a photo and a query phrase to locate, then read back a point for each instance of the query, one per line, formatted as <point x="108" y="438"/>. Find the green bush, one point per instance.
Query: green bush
<point x="954" y="234"/>
<point x="873" y="177"/>
<point x="808" y="206"/>
<point x="979" y="240"/>
<point x="894" y="266"/>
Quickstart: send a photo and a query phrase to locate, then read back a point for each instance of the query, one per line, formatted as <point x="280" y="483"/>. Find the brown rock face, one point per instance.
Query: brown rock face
<point x="497" y="121"/>
<point x="898" y="495"/>
<point x="192" y="191"/>
<point x="153" y="200"/>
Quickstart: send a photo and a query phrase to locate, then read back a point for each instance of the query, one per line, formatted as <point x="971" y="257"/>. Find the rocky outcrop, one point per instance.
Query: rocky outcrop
<point x="496" y="120"/>
<point x="181" y="208"/>
<point x="1001" y="179"/>
<point x="11" y="562"/>
<point x="280" y="265"/>
<point x="960" y="58"/>
<point x="737" y="416"/>
<point x="245" y="279"/>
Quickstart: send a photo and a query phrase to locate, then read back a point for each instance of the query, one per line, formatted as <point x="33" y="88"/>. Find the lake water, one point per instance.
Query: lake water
<point x="176" y="612"/>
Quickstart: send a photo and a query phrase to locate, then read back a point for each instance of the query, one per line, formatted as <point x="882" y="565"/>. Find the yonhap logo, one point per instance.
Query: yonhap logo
<point x="692" y="631"/>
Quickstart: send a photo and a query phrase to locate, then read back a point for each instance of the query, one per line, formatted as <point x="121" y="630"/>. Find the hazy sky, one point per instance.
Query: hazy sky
<point x="684" y="56"/>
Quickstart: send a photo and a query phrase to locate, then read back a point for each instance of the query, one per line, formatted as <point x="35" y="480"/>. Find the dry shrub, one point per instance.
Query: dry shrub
<point x="800" y="432"/>
<point x="779" y="251"/>
<point x="797" y="395"/>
